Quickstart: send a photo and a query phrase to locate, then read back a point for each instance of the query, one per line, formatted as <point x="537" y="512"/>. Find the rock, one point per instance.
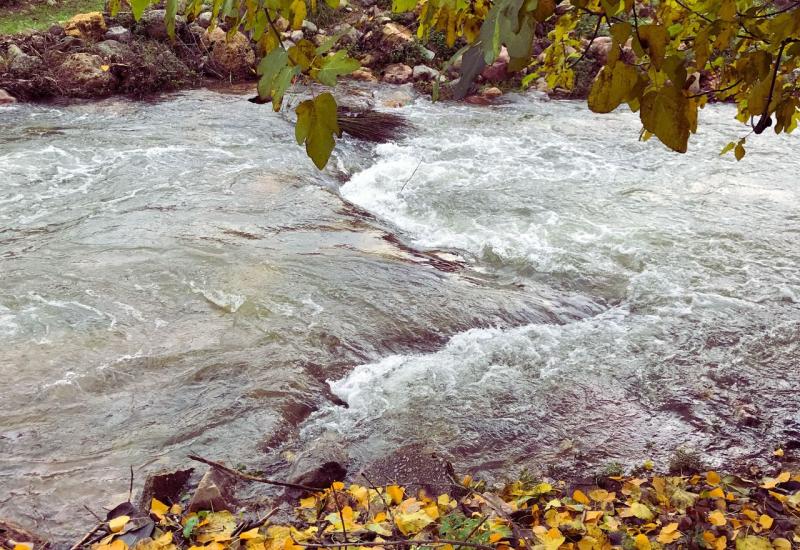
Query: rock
<point x="364" y="74"/>
<point x="153" y="24"/>
<point x="21" y="64"/>
<point x="415" y="467"/>
<point x="503" y="55"/>
<point x="496" y="72"/>
<point x="232" y="58"/>
<point x="600" y="48"/>
<point x="56" y="30"/>
<point x="282" y="24"/>
<point x="423" y="72"/>
<point x="367" y="60"/>
<point x="204" y="19"/>
<point x="318" y="466"/>
<point x="694" y="83"/>
<point x="350" y="35"/>
<point x="86" y="26"/>
<point x="491" y="93"/>
<point x="6" y="98"/>
<point x="214" y="492"/>
<point x="426" y="54"/>
<point x="165" y="486"/>
<point x="113" y="51"/>
<point x="83" y="75"/>
<point x="309" y="27"/>
<point x="398" y="99"/>
<point x="119" y="33"/>
<point x="396" y="35"/>
<point x="296" y="36"/>
<point x="68" y="43"/>
<point x="477" y="100"/>
<point x="397" y="73"/>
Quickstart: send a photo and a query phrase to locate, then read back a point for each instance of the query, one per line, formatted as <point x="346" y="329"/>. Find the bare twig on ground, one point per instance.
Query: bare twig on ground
<point x="255" y="479"/>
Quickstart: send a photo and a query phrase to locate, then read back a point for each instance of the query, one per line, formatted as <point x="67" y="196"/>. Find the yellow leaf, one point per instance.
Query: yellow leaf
<point x="158" y="508"/>
<point x="716" y="493"/>
<point x="551" y="539"/>
<point x="638" y="510"/>
<point x="217" y="527"/>
<point x="578" y="496"/>
<point x="467" y="481"/>
<point x="717" y="518"/>
<point x="412" y="523"/>
<point x="665" y="114"/>
<point x="337" y="486"/>
<point x="669" y="533"/>
<point x="782" y="544"/>
<point x="251" y="534"/>
<point x="712" y="478"/>
<point x="299" y="10"/>
<point x="118" y="523"/>
<point x="361" y="494"/>
<point x="654" y="39"/>
<point x="770" y="483"/>
<point x="611" y="87"/>
<point x="599" y="495"/>
<point x="753" y="543"/>
<point x="765" y="521"/>
<point x="176" y="509"/>
<point x="308" y="502"/>
<point x="494" y="537"/>
<point x="395" y="493"/>
<point x="104" y="68"/>
<point x="778" y="453"/>
<point x="23" y="546"/>
<point x="642" y="542"/>
<point x="593" y="515"/>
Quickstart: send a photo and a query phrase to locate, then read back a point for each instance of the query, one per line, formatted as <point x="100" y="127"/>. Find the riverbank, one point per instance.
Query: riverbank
<point x="414" y="499"/>
<point x="94" y="55"/>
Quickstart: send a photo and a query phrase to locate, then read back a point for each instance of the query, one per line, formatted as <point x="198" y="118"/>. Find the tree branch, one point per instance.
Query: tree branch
<point x="248" y="477"/>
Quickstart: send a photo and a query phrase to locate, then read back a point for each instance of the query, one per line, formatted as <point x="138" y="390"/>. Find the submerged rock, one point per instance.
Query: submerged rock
<point x="86" y="26"/>
<point x="86" y="75"/>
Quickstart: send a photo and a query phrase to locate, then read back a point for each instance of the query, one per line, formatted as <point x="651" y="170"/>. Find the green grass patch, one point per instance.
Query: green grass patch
<point x="31" y="16"/>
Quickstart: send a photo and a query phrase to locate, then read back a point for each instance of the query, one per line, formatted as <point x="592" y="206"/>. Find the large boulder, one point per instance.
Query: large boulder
<point x="214" y="492"/>
<point x="600" y="48"/>
<point x="113" y="51"/>
<point x="6" y="98"/>
<point x="153" y="24"/>
<point x="397" y="73"/>
<point x="87" y="26"/>
<point x="496" y="72"/>
<point x="21" y="64"/>
<point x="86" y="75"/>
<point x="232" y="58"/>
<point x="396" y="35"/>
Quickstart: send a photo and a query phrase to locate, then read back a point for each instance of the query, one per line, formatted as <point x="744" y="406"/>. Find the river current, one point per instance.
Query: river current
<point x="515" y="285"/>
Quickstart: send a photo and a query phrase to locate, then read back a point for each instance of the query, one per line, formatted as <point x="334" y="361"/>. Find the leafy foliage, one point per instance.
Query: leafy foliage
<point x="660" y="50"/>
<point x="707" y="510"/>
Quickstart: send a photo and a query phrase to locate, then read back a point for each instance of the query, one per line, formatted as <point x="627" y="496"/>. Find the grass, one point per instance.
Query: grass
<point x="31" y="16"/>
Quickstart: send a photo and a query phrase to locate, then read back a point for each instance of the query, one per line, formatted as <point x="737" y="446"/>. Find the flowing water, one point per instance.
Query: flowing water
<point x="176" y="276"/>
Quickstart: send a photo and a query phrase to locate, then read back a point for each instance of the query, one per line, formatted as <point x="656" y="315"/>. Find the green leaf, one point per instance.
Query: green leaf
<point x="138" y="7"/>
<point x="169" y="17"/>
<point x="316" y="125"/>
<point x="302" y="54"/>
<point x="280" y="85"/>
<point x="331" y="41"/>
<point x="335" y="65"/>
<point x="269" y="68"/>
<point x="402" y="6"/>
<point x="654" y="39"/>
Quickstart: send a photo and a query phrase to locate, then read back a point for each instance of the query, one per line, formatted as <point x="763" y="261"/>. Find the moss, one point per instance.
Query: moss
<point x="685" y="461"/>
<point x="28" y="16"/>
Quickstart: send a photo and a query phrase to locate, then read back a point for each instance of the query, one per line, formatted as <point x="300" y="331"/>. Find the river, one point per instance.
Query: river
<point x="517" y="285"/>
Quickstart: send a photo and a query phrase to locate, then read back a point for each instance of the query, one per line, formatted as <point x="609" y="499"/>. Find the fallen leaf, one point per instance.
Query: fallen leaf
<point x="778" y="453"/>
<point x="765" y="521"/>
<point x="772" y="482"/>
<point x="753" y="543"/>
<point x="717" y="518"/>
<point x="395" y="493"/>
<point x="579" y="496"/>
<point x="118" y="523"/>
<point x="712" y="478"/>
<point x="669" y="533"/>
<point x="158" y="508"/>
<point x="642" y="542"/>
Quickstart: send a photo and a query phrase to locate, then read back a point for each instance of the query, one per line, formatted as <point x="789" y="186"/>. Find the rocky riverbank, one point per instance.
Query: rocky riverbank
<point x="95" y="55"/>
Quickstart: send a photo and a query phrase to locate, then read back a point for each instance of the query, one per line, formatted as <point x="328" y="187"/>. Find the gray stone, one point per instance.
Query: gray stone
<point x="83" y="75"/>
<point x="204" y="19"/>
<point x="6" y="98"/>
<point x="22" y="64"/>
<point x="153" y="24"/>
<point x="423" y="72"/>
<point x="68" y="43"/>
<point x="113" y="50"/>
<point x="214" y="492"/>
<point x="427" y="54"/>
<point x="309" y="27"/>
<point x="56" y="30"/>
<point x="296" y="36"/>
<point x="119" y="33"/>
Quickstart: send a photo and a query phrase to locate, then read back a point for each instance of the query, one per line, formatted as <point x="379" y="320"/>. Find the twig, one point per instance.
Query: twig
<point x="247" y="525"/>
<point x="385" y="503"/>
<point x="130" y="487"/>
<point x="98" y="518"/>
<point x="339" y="509"/>
<point x="272" y="26"/>
<point x="86" y="537"/>
<point x="398" y="543"/>
<point x="474" y="529"/>
<point x="765" y="119"/>
<point x="411" y="176"/>
<point x="248" y="477"/>
<point x="589" y="45"/>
